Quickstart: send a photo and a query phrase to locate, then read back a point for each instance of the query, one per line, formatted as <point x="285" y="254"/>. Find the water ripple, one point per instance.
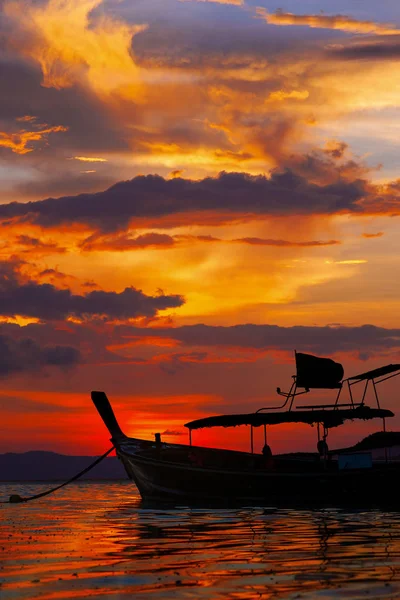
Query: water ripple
<point x="98" y="540"/>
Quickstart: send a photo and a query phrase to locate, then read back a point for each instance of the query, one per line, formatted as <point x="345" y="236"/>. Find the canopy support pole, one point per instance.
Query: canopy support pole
<point x="350" y="392"/>
<point x="190" y="437"/>
<point x="376" y="395"/>
<point x="325" y="446"/>
<point x="251" y="439"/>
<point x="365" y="391"/>
<point x="265" y="434"/>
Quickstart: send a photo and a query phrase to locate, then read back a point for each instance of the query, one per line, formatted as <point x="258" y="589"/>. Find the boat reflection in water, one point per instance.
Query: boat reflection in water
<point x="193" y="474"/>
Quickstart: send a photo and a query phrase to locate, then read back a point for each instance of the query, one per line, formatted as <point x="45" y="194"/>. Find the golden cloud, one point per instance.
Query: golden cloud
<point x="71" y="49"/>
<point x="340" y="22"/>
<point x="88" y="159"/>
<point x="354" y="261"/>
<point x="283" y="95"/>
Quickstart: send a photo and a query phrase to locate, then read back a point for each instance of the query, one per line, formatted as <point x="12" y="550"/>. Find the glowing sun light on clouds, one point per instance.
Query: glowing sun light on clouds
<point x="72" y="49"/>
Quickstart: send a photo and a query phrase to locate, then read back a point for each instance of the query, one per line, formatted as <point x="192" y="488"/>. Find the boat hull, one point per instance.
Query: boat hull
<point x="193" y="474"/>
<point x="176" y="482"/>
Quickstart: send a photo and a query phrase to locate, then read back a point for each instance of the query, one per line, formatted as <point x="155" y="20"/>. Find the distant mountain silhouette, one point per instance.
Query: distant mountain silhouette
<point x="49" y="466"/>
<point x="40" y="465"/>
<point x="379" y="439"/>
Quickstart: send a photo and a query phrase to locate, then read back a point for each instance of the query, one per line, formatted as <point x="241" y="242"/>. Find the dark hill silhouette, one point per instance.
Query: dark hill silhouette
<point x="379" y="439"/>
<point x="40" y="465"/>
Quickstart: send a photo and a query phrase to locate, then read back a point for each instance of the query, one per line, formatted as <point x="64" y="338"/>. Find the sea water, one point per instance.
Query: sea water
<point x="98" y="540"/>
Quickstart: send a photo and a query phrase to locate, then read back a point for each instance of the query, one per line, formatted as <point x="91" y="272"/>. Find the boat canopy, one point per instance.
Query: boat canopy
<point x="380" y="372"/>
<point x="329" y="418"/>
<point x="312" y="372"/>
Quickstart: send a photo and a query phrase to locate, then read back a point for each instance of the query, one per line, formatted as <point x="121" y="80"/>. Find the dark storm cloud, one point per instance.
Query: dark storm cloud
<point x="283" y="193"/>
<point x="37" y="246"/>
<point x="46" y="302"/>
<point x="326" y="340"/>
<point x="26" y="354"/>
<point x="367" y="51"/>
<point x="102" y="343"/>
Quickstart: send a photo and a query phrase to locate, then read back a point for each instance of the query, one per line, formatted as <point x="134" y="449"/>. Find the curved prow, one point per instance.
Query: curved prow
<point x="103" y="406"/>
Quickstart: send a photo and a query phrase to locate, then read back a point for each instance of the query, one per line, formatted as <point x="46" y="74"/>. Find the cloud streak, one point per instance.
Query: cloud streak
<point x="90" y="159"/>
<point x="122" y="242"/>
<point x="321" y="21"/>
<point x="286" y="243"/>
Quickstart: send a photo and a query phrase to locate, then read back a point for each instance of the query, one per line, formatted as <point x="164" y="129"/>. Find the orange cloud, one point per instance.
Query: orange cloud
<point x="283" y="95"/>
<point x="122" y="242"/>
<point x="340" y="22"/>
<point x="372" y="235"/>
<point x="286" y="243"/>
<point x="20" y="141"/>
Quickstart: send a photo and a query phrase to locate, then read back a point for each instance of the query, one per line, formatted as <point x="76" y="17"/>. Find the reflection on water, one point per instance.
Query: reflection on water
<point x="94" y="540"/>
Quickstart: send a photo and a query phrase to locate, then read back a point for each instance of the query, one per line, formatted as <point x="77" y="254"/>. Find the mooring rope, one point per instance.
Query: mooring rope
<point x="15" y="498"/>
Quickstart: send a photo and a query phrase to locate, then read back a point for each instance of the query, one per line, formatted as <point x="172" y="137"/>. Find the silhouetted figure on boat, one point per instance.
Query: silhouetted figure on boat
<point x="268" y="460"/>
<point x="322" y="448"/>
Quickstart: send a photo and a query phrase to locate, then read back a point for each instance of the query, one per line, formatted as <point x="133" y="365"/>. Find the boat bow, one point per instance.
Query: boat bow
<point x="106" y="412"/>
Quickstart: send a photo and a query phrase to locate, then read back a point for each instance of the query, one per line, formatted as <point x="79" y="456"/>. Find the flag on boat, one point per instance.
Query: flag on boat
<point x="316" y="372"/>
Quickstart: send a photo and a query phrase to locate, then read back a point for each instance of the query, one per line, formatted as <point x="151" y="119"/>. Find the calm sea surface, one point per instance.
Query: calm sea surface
<point x="97" y="540"/>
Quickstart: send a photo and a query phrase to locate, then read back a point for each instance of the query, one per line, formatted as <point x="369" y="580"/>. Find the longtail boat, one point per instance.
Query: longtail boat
<point x="194" y="474"/>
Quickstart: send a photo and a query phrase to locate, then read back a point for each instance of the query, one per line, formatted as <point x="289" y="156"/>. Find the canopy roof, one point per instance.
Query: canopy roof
<point x="380" y="372"/>
<point x="329" y="418"/>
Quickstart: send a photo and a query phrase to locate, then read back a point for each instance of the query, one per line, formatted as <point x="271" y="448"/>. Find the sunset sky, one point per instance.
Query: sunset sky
<point x="190" y="191"/>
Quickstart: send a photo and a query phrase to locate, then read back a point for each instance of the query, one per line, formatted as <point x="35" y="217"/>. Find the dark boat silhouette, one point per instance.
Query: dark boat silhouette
<point x="194" y="474"/>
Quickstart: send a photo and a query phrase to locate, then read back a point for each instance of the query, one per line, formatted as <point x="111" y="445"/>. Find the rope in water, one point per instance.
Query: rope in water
<point x="15" y="498"/>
